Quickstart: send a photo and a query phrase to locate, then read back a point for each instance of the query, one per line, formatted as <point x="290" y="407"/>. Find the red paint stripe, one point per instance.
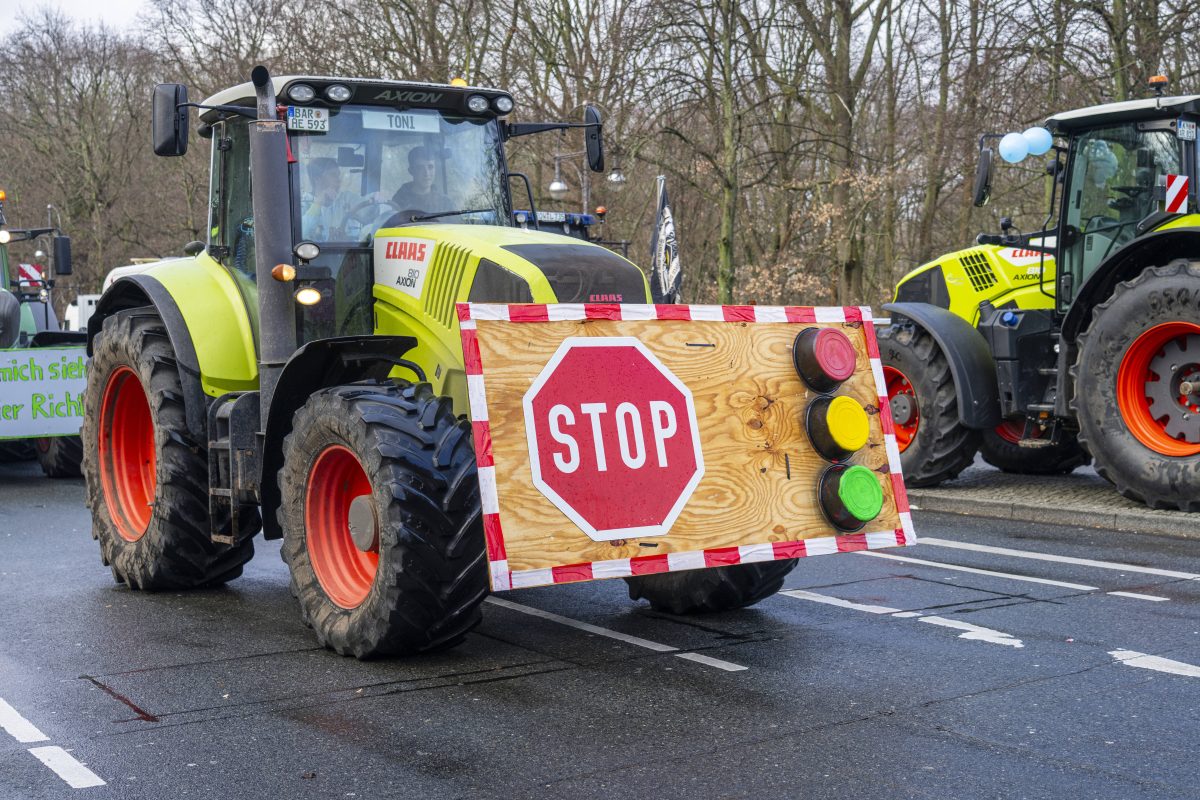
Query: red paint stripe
<point x="673" y="312"/>
<point x="649" y="565"/>
<point x="872" y="342"/>
<point x="885" y="417"/>
<point x="901" y="539"/>
<point x="493" y="534"/>
<point x="464" y="311"/>
<point x="472" y="361"/>
<point x="482" y="432"/>
<point x="899" y="492"/>
<point x="852" y="542"/>
<point x="800" y="314"/>
<point x="853" y="313"/>
<point x="738" y="313"/>
<point x="722" y="556"/>
<point x="602" y="311"/>
<point x="572" y="572"/>
<point x="789" y="549"/>
<point x="528" y="312"/>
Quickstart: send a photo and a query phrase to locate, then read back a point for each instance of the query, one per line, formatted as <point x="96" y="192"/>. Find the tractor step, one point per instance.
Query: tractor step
<point x="233" y="460"/>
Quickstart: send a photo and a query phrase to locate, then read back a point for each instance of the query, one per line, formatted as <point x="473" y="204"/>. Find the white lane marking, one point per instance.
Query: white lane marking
<point x="799" y="594"/>
<point x="974" y="570"/>
<point x="18" y="727"/>
<point x="1144" y="661"/>
<point x="976" y="632"/>
<point x="637" y="641"/>
<point x="66" y="767"/>
<point x="1084" y="562"/>
<point x="1136" y="596"/>
<point x="728" y="666"/>
<point x="972" y="632"/>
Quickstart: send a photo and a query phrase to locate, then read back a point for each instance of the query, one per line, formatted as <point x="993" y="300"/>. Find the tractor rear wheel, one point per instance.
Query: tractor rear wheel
<point x="700" y="591"/>
<point x="934" y="444"/>
<point x="1001" y="447"/>
<point x="381" y="517"/>
<point x="147" y="477"/>
<point x="60" y="456"/>
<point x="1137" y="387"/>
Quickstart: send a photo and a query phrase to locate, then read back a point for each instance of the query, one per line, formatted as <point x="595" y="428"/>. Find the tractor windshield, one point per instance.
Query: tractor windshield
<point x="1117" y="179"/>
<point x="369" y="166"/>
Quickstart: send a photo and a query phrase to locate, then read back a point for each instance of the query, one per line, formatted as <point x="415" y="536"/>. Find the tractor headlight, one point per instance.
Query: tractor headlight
<point x="301" y="93"/>
<point x="5" y="237"/>
<point x="338" y="93"/>
<point x="307" y="251"/>
<point x="477" y="103"/>
<point x="503" y="104"/>
<point x="308" y="296"/>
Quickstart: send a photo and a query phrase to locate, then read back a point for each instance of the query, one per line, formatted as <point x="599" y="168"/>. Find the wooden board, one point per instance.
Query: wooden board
<point x="757" y="497"/>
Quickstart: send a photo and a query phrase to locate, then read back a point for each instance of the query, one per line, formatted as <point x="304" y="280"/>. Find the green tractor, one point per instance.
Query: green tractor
<point x="1079" y="341"/>
<point x="302" y="371"/>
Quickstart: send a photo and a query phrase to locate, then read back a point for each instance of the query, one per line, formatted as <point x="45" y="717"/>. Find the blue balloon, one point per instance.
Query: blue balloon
<point x="1013" y="147"/>
<point x="1039" y="140"/>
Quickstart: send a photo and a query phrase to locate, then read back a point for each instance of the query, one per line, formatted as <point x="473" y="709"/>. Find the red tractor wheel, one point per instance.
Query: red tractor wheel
<point x="344" y="571"/>
<point x="906" y="414"/>
<point x="1158" y="389"/>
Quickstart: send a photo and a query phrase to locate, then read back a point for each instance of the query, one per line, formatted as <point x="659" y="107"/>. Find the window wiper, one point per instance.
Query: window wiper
<point x="424" y="217"/>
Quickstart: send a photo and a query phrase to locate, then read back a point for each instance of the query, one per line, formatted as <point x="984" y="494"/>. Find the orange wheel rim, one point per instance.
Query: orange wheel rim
<point x="344" y="572"/>
<point x="906" y="414"/>
<point x="128" y="462"/>
<point x="1150" y="381"/>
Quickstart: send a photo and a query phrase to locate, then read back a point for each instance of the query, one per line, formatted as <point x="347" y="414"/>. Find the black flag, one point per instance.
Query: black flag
<point x="665" y="274"/>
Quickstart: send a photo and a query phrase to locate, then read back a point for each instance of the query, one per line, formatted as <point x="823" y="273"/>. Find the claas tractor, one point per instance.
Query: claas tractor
<point x="1077" y="341"/>
<point x="302" y="372"/>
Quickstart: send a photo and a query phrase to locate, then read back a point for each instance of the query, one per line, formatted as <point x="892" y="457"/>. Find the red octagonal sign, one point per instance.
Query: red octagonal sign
<point x="613" y="439"/>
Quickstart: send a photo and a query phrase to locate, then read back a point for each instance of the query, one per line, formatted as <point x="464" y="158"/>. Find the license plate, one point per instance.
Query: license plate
<point x="313" y="120"/>
<point x="1186" y="130"/>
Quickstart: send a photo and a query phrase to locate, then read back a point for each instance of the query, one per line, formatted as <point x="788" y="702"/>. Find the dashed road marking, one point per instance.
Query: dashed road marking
<point x="1136" y="596"/>
<point x="18" y="727"/>
<point x="974" y="570"/>
<point x="1133" y="658"/>
<point x="972" y="632"/>
<point x="636" y="641"/>
<point x="67" y="767"/>
<point x="1034" y="555"/>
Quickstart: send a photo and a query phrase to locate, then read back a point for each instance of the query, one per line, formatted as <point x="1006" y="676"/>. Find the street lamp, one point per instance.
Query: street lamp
<point x="558" y="187"/>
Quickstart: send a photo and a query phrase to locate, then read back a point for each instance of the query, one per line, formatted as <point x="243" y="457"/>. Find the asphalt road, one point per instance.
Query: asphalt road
<point x="875" y="678"/>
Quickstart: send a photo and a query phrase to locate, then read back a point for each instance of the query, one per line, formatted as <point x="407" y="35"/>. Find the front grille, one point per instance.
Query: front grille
<point x="978" y="270"/>
<point x="449" y="263"/>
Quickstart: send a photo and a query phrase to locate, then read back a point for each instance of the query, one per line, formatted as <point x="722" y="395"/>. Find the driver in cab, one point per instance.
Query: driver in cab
<point x="1102" y="167"/>
<point x="419" y="193"/>
<point x="331" y="212"/>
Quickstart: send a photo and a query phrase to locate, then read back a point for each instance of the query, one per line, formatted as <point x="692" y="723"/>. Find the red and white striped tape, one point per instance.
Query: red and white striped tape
<point x="504" y="578"/>
<point x="1177" y="193"/>
<point x="29" y="273"/>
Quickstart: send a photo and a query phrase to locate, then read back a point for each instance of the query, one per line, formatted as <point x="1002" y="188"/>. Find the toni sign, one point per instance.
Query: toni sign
<point x="613" y="438"/>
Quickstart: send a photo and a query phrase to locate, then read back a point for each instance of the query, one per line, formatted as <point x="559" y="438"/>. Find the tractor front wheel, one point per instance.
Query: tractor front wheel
<point x="147" y="476"/>
<point x="1137" y="387"/>
<point x="700" y="591"/>
<point x="1001" y="447"/>
<point x="382" y="525"/>
<point x="934" y="444"/>
<point x="60" y="456"/>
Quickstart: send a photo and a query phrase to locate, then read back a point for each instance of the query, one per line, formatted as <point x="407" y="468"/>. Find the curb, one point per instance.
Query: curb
<point x="1166" y="523"/>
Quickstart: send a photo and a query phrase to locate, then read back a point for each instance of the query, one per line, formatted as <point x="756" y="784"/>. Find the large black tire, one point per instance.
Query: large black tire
<point x="415" y="462"/>
<point x="170" y="547"/>
<point x="1059" y="458"/>
<point x="60" y="456"/>
<point x="700" y="591"/>
<point x="941" y="447"/>
<point x="1157" y="297"/>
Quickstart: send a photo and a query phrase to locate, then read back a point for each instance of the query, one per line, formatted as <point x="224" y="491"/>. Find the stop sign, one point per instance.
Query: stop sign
<point x="613" y="439"/>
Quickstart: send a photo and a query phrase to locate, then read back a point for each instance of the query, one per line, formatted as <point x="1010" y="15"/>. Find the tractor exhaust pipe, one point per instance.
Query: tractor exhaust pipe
<point x="272" y="240"/>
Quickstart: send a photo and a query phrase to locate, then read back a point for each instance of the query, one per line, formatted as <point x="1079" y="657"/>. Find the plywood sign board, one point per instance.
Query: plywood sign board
<point x="618" y="440"/>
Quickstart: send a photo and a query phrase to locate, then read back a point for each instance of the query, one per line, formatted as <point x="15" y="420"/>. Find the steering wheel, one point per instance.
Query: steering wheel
<point x="1131" y="191"/>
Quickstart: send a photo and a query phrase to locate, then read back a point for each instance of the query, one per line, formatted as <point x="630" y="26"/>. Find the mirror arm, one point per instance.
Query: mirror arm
<point x="515" y="129"/>
<point x="240" y="110"/>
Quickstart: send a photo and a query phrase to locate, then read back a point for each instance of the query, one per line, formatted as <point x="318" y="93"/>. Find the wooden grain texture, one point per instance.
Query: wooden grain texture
<point x="761" y="472"/>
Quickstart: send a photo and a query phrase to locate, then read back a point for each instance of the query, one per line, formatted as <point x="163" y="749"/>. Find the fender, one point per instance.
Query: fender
<point x="1152" y="250"/>
<point x="317" y="365"/>
<point x="970" y="360"/>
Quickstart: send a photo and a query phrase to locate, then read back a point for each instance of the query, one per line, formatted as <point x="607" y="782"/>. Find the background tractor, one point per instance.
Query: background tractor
<point x="302" y="371"/>
<point x="1081" y="339"/>
<point x="27" y="319"/>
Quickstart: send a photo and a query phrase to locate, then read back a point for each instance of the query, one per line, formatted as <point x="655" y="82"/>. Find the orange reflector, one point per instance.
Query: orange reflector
<point x="283" y="272"/>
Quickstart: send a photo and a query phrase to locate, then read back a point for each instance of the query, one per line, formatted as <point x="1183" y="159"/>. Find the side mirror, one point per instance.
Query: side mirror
<point x="170" y="119"/>
<point x="983" y="177"/>
<point x="62" y="255"/>
<point x="592" y="139"/>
